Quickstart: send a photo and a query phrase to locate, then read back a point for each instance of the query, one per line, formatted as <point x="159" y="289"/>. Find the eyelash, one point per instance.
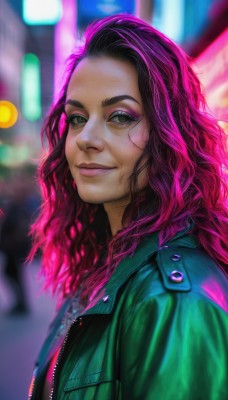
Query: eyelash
<point x="128" y="119"/>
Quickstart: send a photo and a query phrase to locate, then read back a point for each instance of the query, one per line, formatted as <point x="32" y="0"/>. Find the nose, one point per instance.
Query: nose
<point x="91" y="137"/>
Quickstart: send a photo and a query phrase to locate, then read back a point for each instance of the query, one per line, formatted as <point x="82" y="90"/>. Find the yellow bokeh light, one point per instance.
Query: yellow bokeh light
<point x="8" y="114"/>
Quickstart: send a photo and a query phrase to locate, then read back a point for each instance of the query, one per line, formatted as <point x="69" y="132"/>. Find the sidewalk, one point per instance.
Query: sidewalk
<point x="22" y="336"/>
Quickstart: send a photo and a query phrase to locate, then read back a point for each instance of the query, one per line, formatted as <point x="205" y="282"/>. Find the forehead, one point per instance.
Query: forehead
<point x="101" y="75"/>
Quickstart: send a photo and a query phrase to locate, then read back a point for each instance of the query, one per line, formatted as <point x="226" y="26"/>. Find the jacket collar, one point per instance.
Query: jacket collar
<point x="130" y="264"/>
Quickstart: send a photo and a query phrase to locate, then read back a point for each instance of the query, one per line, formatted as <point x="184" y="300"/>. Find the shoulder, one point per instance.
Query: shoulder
<point x="177" y="328"/>
<point x="184" y="273"/>
<point x="186" y="309"/>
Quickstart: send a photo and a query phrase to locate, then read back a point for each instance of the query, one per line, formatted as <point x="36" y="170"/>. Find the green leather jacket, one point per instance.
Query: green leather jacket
<point x="160" y="332"/>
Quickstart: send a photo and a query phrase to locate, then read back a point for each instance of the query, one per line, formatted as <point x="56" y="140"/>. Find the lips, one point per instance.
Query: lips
<point x="94" y="166"/>
<point x="93" y="169"/>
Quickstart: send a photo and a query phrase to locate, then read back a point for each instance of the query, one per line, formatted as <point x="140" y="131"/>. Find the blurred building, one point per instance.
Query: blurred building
<point x="210" y="60"/>
<point x="12" y="48"/>
<point x="16" y="141"/>
<point x="200" y="27"/>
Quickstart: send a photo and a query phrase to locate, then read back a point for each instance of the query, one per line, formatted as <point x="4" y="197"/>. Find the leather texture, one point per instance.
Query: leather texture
<point x="160" y="332"/>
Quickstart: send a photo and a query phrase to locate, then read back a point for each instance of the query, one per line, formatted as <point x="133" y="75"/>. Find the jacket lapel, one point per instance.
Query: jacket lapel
<point x="126" y="268"/>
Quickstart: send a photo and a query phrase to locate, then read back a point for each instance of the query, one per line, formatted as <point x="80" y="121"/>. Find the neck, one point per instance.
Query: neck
<point x="115" y="215"/>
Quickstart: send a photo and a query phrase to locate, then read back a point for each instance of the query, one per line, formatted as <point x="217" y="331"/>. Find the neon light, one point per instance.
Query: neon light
<point x="65" y="41"/>
<point x="171" y="18"/>
<point x="31" y="91"/>
<point x="211" y="66"/>
<point x="42" y="12"/>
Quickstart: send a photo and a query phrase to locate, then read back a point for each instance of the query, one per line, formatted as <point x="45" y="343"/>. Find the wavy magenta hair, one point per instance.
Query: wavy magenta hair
<point x="185" y="159"/>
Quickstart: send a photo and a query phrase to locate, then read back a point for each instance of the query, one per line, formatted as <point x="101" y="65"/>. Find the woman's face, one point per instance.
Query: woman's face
<point x="107" y="130"/>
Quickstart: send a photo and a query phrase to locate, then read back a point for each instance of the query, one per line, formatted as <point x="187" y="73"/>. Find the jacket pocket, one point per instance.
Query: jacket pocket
<point x="91" y="379"/>
<point x="94" y="386"/>
<point x="89" y="371"/>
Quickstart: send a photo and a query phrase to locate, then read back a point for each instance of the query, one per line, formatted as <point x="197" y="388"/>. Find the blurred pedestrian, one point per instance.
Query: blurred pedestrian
<point x="14" y="237"/>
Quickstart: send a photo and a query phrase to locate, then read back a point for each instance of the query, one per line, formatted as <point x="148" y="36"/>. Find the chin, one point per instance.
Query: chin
<point x="91" y="199"/>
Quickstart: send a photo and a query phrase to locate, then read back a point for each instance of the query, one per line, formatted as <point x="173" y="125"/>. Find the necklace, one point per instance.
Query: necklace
<point x="73" y="310"/>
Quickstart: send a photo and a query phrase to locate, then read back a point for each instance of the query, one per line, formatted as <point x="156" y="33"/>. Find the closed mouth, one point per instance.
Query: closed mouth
<point x="94" y="166"/>
<point x="94" y="170"/>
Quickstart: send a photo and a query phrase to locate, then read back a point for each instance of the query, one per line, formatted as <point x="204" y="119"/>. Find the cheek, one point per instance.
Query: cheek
<point x="139" y="136"/>
<point x="129" y="159"/>
<point x="68" y="150"/>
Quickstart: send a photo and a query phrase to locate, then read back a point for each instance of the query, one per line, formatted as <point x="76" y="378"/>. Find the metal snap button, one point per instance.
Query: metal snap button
<point x="176" y="276"/>
<point x="176" y="257"/>
<point x="105" y="299"/>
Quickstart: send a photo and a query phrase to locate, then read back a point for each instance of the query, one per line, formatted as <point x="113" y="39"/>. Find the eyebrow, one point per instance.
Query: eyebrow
<point x="116" y="99"/>
<point x="104" y="103"/>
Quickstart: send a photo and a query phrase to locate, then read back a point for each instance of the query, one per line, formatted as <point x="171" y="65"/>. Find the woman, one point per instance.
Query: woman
<point x="133" y="226"/>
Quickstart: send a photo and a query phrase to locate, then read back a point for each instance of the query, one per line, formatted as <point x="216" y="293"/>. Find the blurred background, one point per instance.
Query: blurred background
<point x="36" y="37"/>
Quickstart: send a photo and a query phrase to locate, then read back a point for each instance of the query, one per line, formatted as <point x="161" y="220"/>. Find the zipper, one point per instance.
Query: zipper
<point x="32" y="384"/>
<point x="79" y="320"/>
<point x="35" y="383"/>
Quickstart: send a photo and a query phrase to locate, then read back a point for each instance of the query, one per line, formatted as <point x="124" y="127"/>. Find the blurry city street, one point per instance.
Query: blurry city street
<point x="21" y="335"/>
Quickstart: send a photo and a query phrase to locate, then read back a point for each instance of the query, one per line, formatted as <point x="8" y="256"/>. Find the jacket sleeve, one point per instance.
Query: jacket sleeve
<point x="174" y="347"/>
